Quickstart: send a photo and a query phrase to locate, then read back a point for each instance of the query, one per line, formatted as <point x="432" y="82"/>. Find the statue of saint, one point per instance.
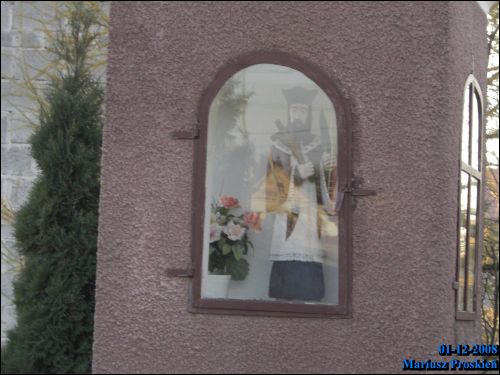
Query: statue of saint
<point x="299" y="170"/>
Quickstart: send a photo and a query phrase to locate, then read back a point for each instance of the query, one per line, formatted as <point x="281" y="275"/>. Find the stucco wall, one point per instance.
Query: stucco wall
<point x="400" y="65"/>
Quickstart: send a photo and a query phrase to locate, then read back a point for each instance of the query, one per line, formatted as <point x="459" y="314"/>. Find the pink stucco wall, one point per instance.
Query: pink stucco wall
<point x="403" y="66"/>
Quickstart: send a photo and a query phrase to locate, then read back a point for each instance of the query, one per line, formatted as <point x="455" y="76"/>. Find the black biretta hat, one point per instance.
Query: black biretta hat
<point x="299" y="95"/>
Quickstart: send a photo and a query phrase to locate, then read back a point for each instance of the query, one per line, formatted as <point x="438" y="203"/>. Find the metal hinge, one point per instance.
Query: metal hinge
<point x="179" y="272"/>
<point x="352" y="191"/>
<point x="358" y="192"/>
<point x="185" y="134"/>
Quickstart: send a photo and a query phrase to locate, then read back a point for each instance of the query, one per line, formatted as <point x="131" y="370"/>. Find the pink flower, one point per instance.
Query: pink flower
<point x="215" y="231"/>
<point x="228" y="201"/>
<point x="234" y="231"/>
<point x="253" y="221"/>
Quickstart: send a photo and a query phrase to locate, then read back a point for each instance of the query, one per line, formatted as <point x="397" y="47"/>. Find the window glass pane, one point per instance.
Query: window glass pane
<point x="472" y="235"/>
<point x="464" y="183"/>
<point x="271" y="233"/>
<point x="465" y="128"/>
<point x="476" y="113"/>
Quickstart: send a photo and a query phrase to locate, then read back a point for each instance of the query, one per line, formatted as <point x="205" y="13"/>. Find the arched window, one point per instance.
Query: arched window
<point x="470" y="198"/>
<point x="272" y="224"/>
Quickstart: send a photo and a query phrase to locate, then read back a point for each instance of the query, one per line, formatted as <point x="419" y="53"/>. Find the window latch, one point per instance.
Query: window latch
<point x="185" y="134"/>
<point x="179" y="272"/>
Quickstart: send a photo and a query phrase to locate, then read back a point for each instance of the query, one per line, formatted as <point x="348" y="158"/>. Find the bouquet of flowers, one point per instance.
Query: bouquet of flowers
<point x="229" y="241"/>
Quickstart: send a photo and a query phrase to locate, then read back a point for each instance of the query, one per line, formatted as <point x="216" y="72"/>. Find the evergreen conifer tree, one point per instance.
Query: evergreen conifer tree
<point x="56" y="229"/>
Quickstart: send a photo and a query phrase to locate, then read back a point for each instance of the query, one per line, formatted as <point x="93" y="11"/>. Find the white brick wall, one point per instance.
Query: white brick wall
<point x="23" y="49"/>
<point x="21" y="42"/>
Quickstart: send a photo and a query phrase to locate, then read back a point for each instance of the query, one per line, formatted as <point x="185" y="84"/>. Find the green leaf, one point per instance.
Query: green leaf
<point x="226" y="249"/>
<point x="238" y="269"/>
<point x="237" y="252"/>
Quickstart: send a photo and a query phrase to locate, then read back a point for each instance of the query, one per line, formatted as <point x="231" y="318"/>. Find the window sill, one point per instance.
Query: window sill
<point x="466" y="315"/>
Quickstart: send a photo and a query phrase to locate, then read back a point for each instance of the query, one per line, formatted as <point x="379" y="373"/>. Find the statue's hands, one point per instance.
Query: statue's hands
<point x="306" y="170"/>
<point x="328" y="161"/>
<point x="288" y="207"/>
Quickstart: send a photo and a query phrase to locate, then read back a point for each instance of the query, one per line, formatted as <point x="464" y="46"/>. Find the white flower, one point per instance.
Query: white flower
<point x="234" y="231"/>
<point x="215" y="231"/>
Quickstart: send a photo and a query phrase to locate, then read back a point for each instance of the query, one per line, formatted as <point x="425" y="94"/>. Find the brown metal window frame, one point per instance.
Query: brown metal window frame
<point x="471" y="313"/>
<point x="343" y="113"/>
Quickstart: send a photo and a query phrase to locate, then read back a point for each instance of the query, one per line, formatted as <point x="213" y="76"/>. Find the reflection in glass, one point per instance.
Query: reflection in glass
<point x="464" y="183"/>
<point x="475" y="132"/>
<point x="465" y="129"/>
<point x="271" y="231"/>
<point x="472" y="238"/>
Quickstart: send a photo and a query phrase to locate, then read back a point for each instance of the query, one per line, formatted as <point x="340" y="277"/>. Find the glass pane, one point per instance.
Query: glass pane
<point x="476" y="116"/>
<point x="464" y="183"/>
<point x="472" y="243"/>
<point x="271" y="233"/>
<point x="465" y="128"/>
